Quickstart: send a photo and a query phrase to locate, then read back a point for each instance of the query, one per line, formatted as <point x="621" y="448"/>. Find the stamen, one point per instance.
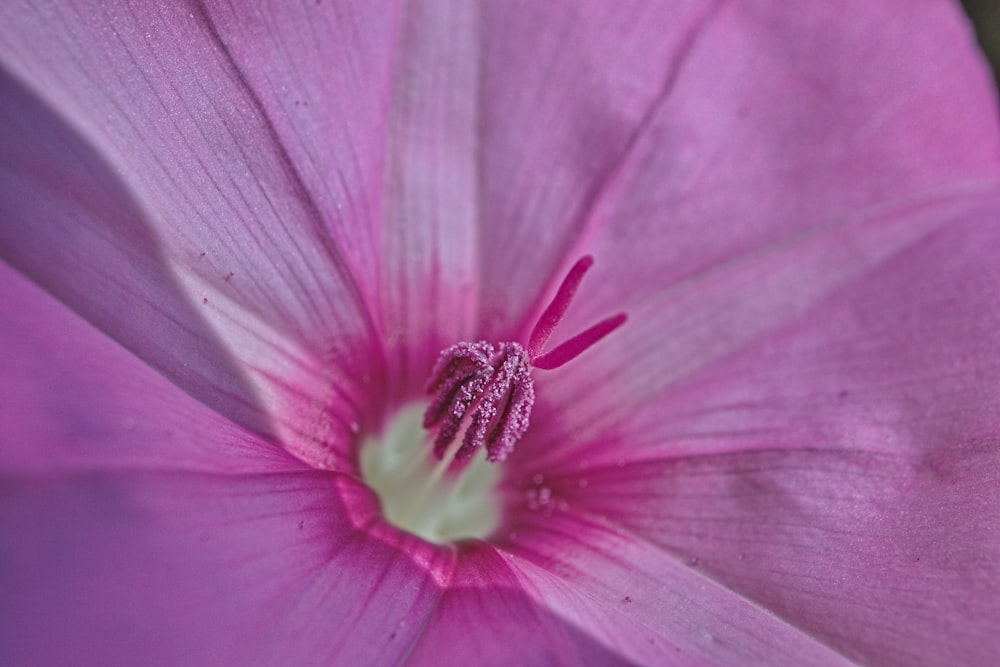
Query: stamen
<point x="490" y="393"/>
<point x="486" y="393"/>
<point x="460" y="376"/>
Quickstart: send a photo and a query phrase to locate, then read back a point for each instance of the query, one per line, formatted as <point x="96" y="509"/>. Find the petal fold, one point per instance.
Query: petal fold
<point x="179" y="207"/>
<point x="73" y="400"/>
<point x="167" y="569"/>
<point x="430" y="254"/>
<point x="782" y="120"/>
<point x="855" y="336"/>
<point x="564" y="91"/>
<point x="484" y="617"/>
<point x="643" y="603"/>
<point x="888" y="559"/>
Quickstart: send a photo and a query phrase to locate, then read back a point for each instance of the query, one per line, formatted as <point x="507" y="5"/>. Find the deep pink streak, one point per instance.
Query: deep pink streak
<point x="557" y="308"/>
<point x="578" y="343"/>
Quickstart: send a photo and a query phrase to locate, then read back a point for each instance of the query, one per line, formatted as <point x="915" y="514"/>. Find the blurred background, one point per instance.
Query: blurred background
<point x="985" y="14"/>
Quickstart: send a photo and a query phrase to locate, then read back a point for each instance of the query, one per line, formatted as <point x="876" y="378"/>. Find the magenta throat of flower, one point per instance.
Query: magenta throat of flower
<point x="481" y="394"/>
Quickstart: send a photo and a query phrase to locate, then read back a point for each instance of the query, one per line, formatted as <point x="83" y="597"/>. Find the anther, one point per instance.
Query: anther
<point x="488" y="391"/>
<point x="485" y="394"/>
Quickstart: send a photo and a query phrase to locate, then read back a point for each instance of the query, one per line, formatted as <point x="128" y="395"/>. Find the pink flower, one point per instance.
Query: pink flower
<point x="237" y="237"/>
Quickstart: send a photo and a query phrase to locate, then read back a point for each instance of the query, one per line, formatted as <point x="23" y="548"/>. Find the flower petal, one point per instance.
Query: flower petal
<point x="839" y="467"/>
<point x="323" y="76"/>
<point x="72" y="399"/>
<point x="192" y="179"/>
<point x="563" y="92"/>
<point x="168" y="569"/>
<point x="643" y="603"/>
<point x="890" y="559"/>
<point x="71" y="226"/>
<point x="482" y="615"/>
<point x="485" y="618"/>
<point x="855" y="334"/>
<point x="735" y="127"/>
<point x="781" y="121"/>
<point x="430" y="252"/>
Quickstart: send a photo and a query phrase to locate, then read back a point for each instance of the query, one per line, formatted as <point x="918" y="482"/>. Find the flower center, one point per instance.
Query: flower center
<point x="481" y="397"/>
<point x="488" y="392"/>
<point x="422" y="496"/>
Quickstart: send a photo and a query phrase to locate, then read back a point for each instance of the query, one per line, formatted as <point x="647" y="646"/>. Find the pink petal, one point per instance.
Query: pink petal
<point x="176" y="168"/>
<point x="495" y="141"/>
<point x="781" y="121"/>
<point x="898" y="361"/>
<point x="323" y="77"/>
<point x="644" y="604"/>
<point x="735" y="127"/>
<point x="72" y="399"/>
<point x="72" y="226"/>
<point x="833" y="455"/>
<point x="482" y="615"/>
<point x="855" y="334"/>
<point x="485" y="618"/>
<point x="563" y="95"/>
<point x="430" y="251"/>
<point x="890" y="559"/>
<point x="168" y="569"/>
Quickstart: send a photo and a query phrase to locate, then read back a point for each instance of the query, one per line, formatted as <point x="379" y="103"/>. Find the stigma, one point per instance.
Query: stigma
<point x="482" y="394"/>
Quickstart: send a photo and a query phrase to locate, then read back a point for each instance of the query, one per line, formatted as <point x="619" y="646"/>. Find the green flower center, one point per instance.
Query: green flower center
<point x="435" y="500"/>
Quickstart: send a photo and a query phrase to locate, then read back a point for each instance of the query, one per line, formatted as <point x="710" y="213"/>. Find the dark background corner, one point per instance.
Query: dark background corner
<point x="985" y="15"/>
